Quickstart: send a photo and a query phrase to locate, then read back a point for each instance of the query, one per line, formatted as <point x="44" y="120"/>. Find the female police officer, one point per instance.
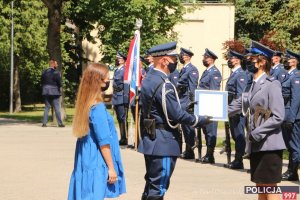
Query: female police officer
<point x="161" y="115"/>
<point x="265" y="107"/>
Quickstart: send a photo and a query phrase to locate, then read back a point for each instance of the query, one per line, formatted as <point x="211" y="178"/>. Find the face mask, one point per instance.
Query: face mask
<point x="106" y="86"/>
<point x="205" y="63"/>
<point x="286" y="65"/>
<point x="181" y="59"/>
<point x="172" y="66"/>
<point x="229" y="63"/>
<point x="147" y="62"/>
<point x="251" y="67"/>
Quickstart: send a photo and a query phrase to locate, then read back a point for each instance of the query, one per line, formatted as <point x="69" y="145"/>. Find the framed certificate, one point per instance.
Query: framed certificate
<point x="212" y="103"/>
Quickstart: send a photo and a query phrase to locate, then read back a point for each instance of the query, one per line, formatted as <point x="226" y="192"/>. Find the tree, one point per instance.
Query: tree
<point x="115" y="22"/>
<point x="29" y="50"/>
<point x="273" y="22"/>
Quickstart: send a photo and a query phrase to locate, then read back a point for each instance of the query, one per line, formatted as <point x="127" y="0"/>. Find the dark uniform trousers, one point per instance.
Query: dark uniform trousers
<point x="159" y="170"/>
<point x="235" y="86"/>
<point x="188" y="79"/>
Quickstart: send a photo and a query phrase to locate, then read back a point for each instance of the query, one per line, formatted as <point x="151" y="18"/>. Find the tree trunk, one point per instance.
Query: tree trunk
<point x="16" y="88"/>
<point x="53" y="42"/>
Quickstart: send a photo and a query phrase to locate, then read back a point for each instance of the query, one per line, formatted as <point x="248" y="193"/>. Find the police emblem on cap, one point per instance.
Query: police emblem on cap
<point x="167" y="49"/>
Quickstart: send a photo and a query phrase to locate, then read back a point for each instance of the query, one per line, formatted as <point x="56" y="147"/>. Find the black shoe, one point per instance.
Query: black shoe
<point x="235" y="165"/>
<point x="208" y="159"/>
<point x="123" y="141"/>
<point x="188" y="154"/>
<point x="61" y="125"/>
<point x="44" y="125"/>
<point x="286" y="173"/>
<point x="290" y="177"/>
<point x="293" y="175"/>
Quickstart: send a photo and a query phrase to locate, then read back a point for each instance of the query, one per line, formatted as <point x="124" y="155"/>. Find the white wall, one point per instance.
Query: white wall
<point x="207" y="27"/>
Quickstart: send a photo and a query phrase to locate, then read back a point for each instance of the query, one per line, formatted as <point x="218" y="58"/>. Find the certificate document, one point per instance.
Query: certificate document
<point x="212" y="103"/>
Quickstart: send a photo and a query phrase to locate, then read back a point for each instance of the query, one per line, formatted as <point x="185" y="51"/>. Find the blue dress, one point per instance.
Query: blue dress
<point x="90" y="174"/>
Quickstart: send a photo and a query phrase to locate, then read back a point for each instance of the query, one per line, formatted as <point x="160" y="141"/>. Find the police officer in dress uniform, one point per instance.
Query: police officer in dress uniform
<point x="51" y="83"/>
<point x="277" y="71"/>
<point x="235" y="86"/>
<point x="265" y="111"/>
<point x="210" y="80"/>
<point x="162" y="114"/>
<point x="187" y="83"/>
<point x="120" y="97"/>
<point x="291" y="124"/>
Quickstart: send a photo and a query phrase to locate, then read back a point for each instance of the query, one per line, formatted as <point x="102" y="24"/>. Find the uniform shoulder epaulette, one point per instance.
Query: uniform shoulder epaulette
<point x="271" y="78"/>
<point x="297" y="73"/>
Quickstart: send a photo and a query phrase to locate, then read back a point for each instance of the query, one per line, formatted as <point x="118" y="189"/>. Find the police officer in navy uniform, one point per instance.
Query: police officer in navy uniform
<point x="210" y="80"/>
<point x="187" y="83"/>
<point x="236" y="84"/>
<point x="160" y="137"/>
<point x="51" y="83"/>
<point x="291" y="124"/>
<point x="277" y="71"/>
<point x="120" y="97"/>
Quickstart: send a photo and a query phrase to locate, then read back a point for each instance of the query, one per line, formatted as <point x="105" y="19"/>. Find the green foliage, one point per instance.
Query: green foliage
<point x="29" y="47"/>
<point x="115" y="22"/>
<point x="274" y="21"/>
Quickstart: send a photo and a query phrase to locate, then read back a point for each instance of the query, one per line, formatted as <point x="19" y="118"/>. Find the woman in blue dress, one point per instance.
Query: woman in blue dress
<point x="98" y="171"/>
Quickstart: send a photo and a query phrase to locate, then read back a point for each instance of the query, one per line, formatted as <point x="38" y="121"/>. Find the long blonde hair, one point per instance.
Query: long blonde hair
<point x="89" y="94"/>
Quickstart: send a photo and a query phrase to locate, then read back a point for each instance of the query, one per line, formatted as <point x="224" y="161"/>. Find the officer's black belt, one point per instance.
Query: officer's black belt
<point x="163" y="127"/>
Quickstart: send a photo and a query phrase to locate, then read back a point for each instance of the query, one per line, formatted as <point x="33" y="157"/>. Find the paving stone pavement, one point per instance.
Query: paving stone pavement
<point x="36" y="164"/>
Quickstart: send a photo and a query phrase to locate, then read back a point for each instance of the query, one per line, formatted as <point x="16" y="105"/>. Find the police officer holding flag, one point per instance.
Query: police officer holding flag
<point x="161" y="115"/>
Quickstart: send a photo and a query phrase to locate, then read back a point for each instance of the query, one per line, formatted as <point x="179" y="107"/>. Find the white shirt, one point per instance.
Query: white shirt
<point x="257" y="79"/>
<point x="236" y="68"/>
<point x="186" y="65"/>
<point x="160" y="71"/>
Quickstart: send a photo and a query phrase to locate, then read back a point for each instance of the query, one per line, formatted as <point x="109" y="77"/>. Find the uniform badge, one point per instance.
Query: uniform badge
<point x="216" y="77"/>
<point x="175" y="77"/>
<point x="297" y="82"/>
<point x="242" y="79"/>
<point x="283" y="75"/>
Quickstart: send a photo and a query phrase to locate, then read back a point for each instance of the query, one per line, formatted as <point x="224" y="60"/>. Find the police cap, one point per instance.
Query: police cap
<point x="121" y="55"/>
<point x="234" y="54"/>
<point x="166" y="49"/>
<point x="186" y="51"/>
<point x="289" y="54"/>
<point x="210" y="54"/>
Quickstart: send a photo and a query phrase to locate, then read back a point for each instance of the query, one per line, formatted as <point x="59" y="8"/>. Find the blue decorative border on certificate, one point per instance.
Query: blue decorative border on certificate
<point x="224" y="106"/>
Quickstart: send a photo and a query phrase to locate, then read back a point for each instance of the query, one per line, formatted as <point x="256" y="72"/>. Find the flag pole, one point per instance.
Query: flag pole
<point x="138" y="24"/>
